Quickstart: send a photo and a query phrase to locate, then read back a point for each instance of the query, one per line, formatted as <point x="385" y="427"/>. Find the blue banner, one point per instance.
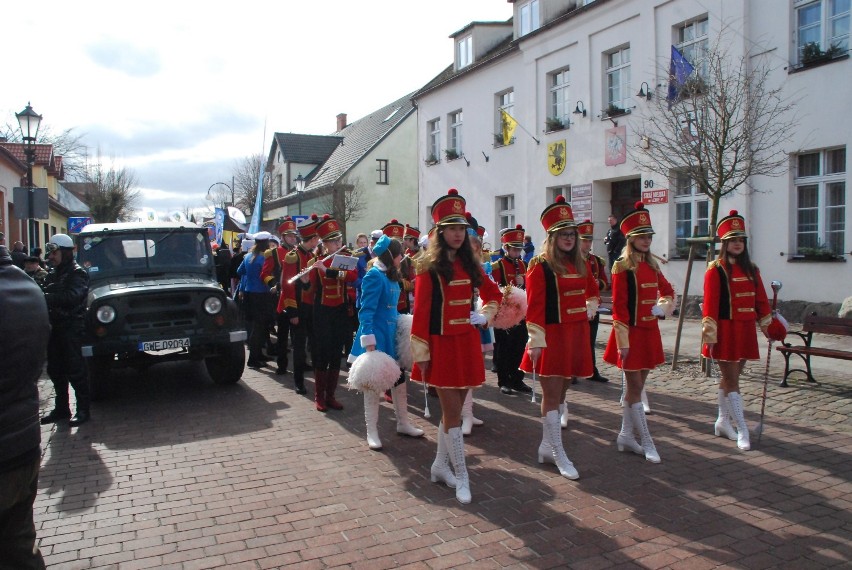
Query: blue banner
<point x="218" y="224"/>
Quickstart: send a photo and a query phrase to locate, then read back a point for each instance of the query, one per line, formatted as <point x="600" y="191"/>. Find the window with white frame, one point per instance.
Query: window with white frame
<point x="692" y="211"/>
<point x="824" y="23"/>
<point x="433" y="143"/>
<point x="465" y="51"/>
<point x="505" y="102"/>
<point x="692" y="43"/>
<point x="559" y="107"/>
<point x="530" y="20"/>
<point x="821" y="201"/>
<point x="382" y="171"/>
<point x="506" y="211"/>
<point x="564" y="191"/>
<point x="454" y="137"/>
<point x="618" y="78"/>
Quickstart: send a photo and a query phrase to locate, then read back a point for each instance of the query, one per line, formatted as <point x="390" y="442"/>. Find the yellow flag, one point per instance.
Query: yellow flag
<point x="509" y="125"/>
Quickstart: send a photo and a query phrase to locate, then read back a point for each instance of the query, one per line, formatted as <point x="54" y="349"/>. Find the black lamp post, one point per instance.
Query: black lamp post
<point x="29" y="122"/>
<point x="300" y="187"/>
<point x="230" y="187"/>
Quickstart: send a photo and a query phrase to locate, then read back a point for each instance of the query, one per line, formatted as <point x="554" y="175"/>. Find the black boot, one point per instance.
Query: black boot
<point x="54" y="416"/>
<point x="81" y="417"/>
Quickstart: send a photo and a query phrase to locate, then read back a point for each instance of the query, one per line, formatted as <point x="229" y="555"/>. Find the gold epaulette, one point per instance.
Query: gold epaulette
<point x="269" y="252"/>
<point x="420" y="265"/>
<point x="291" y="257"/>
<point x="619" y="266"/>
<point x="358" y="253"/>
<point x="535" y="261"/>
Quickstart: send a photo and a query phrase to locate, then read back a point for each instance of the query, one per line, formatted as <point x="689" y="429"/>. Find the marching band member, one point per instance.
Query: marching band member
<point x="562" y="296"/>
<point x="377" y="331"/>
<point x="271" y="276"/>
<point x="330" y="312"/>
<point x="734" y="299"/>
<point x="445" y="343"/>
<point x="297" y="298"/>
<point x="640" y="295"/>
<point x="509" y="270"/>
<point x="597" y="264"/>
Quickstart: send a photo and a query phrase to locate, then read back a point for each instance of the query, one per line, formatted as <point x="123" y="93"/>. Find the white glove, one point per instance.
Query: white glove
<point x="476" y="319"/>
<point x="658" y="311"/>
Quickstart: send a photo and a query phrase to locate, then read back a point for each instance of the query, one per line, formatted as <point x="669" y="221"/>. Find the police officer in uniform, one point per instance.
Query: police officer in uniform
<point x="65" y="290"/>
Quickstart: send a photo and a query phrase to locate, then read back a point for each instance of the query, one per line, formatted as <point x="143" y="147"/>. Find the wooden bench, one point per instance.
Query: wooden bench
<point x="605" y="310"/>
<point x="813" y="325"/>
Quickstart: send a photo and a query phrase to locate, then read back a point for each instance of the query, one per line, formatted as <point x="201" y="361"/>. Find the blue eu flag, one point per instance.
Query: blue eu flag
<point x="679" y="71"/>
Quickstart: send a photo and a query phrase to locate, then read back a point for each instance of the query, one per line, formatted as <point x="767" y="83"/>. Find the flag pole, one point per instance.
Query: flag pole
<point x="257" y="214"/>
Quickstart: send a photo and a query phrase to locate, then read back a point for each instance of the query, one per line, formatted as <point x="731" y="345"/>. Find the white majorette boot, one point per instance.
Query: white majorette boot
<point x="735" y="403"/>
<point x="645" y="405"/>
<point x="456" y="440"/>
<point x="371" y="414"/>
<point x="641" y="424"/>
<point x="544" y="453"/>
<point x="468" y="419"/>
<point x="723" y="425"/>
<point x="440" y="470"/>
<point x="555" y="449"/>
<point x="400" y="406"/>
<point x="563" y="415"/>
<point x="626" y="440"/>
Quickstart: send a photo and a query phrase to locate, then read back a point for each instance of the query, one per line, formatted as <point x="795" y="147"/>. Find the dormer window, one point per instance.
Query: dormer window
<point x="530" y="19"/>
<point x="465" y="51"/>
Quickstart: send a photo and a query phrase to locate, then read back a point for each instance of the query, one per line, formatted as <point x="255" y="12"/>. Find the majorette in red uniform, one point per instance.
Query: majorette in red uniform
<point x="586" y="232"/>
<point x="271" y="275"/>
<point x="562" y="295"/>
<point x="445" y="343"/>
<point x="408" y="268"/>
<point x="331" y="309"/>
<point x="510" y="270"/>
<point x="640" y="295"/>
<point x="297" y="298"/>
<point x="734" y="300"/>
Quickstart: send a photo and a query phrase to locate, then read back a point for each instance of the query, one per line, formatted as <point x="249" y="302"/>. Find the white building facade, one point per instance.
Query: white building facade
<point x="571" y="73"/>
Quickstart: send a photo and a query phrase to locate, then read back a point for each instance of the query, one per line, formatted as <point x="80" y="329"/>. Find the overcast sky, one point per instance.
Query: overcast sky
<point x="180" y="90"/>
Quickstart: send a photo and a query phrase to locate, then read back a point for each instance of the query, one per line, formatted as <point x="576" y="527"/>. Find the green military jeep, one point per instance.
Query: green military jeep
<point x="153" y="296"/>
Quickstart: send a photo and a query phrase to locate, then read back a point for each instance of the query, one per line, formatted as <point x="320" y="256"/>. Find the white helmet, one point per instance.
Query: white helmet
<point x="59" y="241"/>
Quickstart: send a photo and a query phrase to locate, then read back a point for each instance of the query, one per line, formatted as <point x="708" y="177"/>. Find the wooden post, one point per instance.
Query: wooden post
<point x="693" y="243"/>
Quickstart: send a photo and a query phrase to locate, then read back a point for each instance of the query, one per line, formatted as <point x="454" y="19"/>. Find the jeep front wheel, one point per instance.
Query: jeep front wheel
<point x="227" y="367"/>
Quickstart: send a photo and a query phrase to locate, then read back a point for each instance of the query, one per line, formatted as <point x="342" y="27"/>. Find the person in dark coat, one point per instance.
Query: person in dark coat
<point x="65" y="290"/>
<point x="614" y="240"/>
<point x="25" y="329"/>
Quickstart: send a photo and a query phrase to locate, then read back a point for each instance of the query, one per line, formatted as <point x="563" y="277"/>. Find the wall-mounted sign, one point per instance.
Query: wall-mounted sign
<point x="615" y="146"/>
<point x="654" y="189"/>
<point x="556" y="157"/>
<point x="581" y="202"/>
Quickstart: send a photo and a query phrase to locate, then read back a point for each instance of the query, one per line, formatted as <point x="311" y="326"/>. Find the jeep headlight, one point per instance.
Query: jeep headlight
<point x="105" y="314"/>
<point x="212" y="305"/>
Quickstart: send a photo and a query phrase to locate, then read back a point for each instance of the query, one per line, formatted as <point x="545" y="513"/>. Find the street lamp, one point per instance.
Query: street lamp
<point x="230" y="187"/>
<point x="29" y="122"/>
<point x="300" y="187"/>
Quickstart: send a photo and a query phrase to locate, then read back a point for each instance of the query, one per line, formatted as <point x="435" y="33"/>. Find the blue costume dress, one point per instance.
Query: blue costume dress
<point x="377" y="314"/>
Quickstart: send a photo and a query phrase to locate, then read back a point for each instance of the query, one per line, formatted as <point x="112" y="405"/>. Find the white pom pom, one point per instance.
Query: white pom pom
<point x="513" y="308"/>
<point x="375" y="371"/>
<point x="403" y="341"/>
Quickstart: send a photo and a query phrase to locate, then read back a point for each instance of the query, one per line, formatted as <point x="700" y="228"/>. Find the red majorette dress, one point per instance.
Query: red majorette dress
<point x="441" y="331"/>
<point x="557" y="319"/>
<point x="733" y="304"/>
<point x="634" y="293"/>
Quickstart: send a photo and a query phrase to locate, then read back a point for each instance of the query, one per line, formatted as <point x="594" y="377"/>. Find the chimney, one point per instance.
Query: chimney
<point x="341" y="122"/>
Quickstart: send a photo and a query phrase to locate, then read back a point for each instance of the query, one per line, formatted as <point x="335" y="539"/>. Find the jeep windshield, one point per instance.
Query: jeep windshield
<point x="145" y="252"/>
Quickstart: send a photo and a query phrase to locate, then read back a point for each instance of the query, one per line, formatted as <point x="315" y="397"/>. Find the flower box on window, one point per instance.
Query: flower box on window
<point x="431" y="159"/>
<point x="819" y="253"/>
<point x="554" y="124"/>
<point x="814" y="56"/>
<point x="451" y="154"/>
<point x="614" y="111"/>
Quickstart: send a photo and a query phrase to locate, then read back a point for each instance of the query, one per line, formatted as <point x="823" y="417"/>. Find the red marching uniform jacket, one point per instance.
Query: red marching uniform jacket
<point x="296" y="293"/>
<point x="504" y="271"/>
<point x="273" y="261"/>
<point x="599" y="271"/>
<point x="330" y="289"/>
<point x="634" y="295"/>
<point x="729" y="294"/>
<point x="408" y="274"/>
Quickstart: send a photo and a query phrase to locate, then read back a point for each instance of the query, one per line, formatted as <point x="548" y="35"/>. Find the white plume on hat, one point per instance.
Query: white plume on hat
<point x="376" y="234"/>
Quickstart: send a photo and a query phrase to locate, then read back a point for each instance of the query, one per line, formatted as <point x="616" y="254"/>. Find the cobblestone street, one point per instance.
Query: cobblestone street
<point x="176" y="472"/>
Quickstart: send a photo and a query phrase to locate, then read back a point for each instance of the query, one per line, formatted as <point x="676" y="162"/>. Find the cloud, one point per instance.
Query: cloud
<point x="116" y="55"/>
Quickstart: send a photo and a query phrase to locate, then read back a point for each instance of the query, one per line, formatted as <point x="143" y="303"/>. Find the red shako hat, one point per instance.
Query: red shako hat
<point x="288" y="226"/>
<point x="329" y="228"/>
<point x="586" y="230"/>
<point x="308" y="228"/>
<point x="731" y="226"/>
<point x="513" y="237"/>
<point x="393" y="229"/>
<point x="557" y="216"/>
<point x="411" y="232"/>
<point x="637" y="222"/>
<point x="449" y="210"/>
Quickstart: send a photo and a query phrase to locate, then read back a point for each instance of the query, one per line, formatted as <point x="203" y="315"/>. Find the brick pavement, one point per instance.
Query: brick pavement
<point x="175" y="472"/>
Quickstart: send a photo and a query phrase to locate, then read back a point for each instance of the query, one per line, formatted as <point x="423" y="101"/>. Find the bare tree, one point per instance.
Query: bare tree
<point x="112" y="193"/>
<point x="68" y="144"/>
<point x="726" y="126"/>
<point x="247" y="172"/>
<point x="346" y="202"/>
